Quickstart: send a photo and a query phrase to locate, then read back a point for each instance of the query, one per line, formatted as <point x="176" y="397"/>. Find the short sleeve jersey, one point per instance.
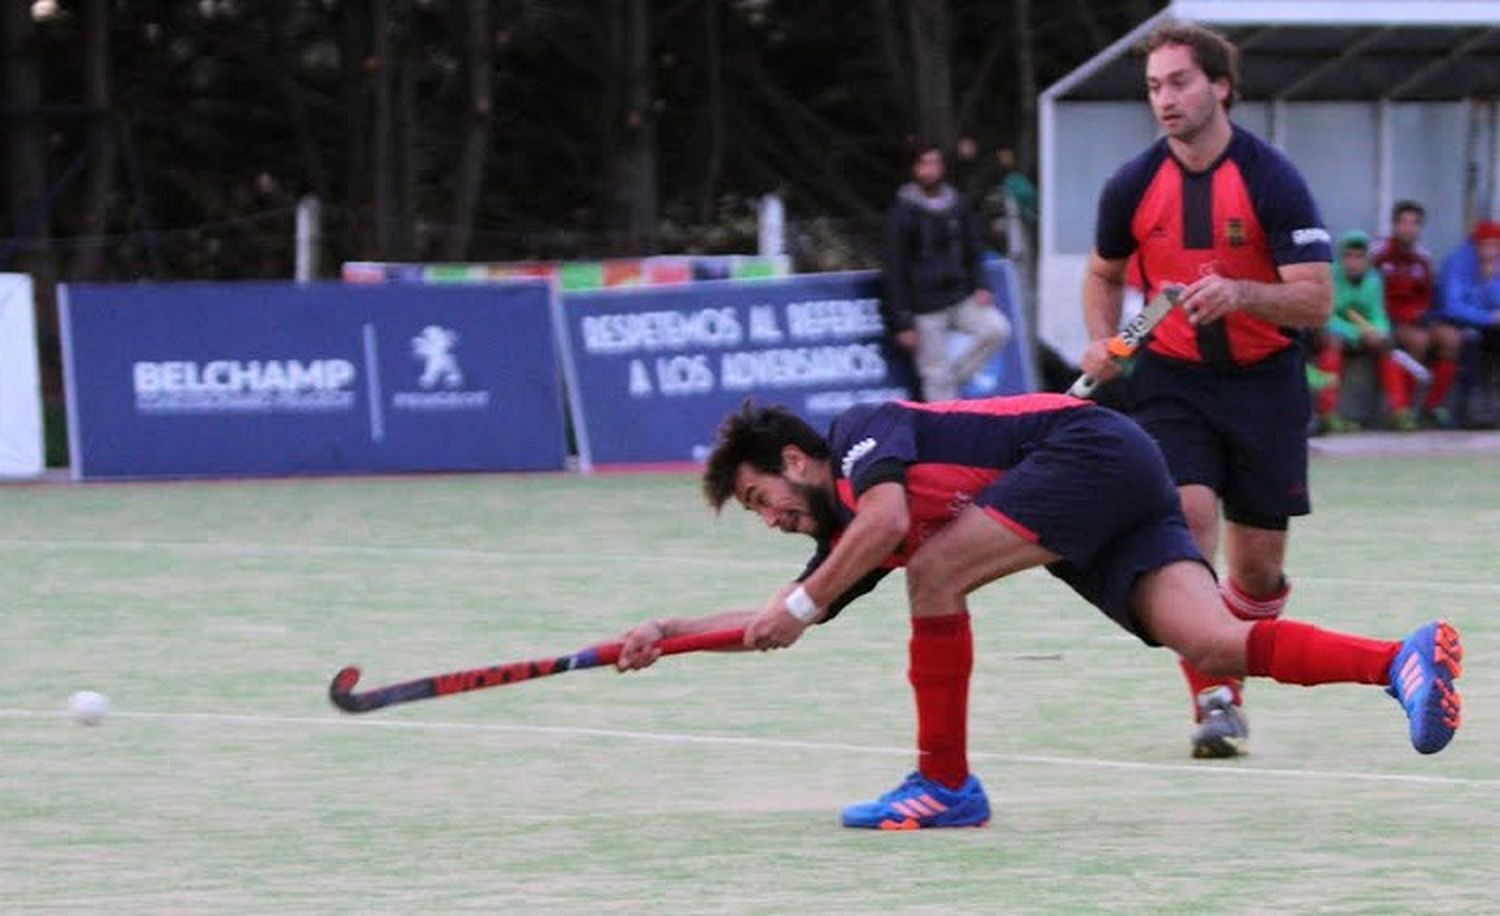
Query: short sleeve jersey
<point x="1408" y="280"/>
<point x="943" y="454"/>
<point x="1243" y="217"/>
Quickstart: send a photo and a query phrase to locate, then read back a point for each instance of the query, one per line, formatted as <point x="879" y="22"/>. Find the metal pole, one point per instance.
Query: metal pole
<point x="309" y="238"/>
<point x="772" y="225"/>
<point x="1385" y="163"/>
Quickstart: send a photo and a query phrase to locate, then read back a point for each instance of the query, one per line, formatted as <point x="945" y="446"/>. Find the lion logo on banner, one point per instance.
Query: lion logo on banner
<point x="435" y="345"/>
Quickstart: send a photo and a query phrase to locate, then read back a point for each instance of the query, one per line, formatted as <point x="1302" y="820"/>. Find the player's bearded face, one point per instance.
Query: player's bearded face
<point x="819" y="509"/>
<point x="1183" y="99"/>
<point x="786" y="502"/>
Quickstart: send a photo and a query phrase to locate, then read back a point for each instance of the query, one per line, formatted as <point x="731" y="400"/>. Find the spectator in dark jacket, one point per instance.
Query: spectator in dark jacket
<point x="934" y="281"/>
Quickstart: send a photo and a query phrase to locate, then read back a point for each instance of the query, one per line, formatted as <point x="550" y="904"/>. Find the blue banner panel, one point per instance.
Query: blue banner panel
<point x="656" y="369"/>
<point x="1010" y="371"/>
<point x="208" y="379"/>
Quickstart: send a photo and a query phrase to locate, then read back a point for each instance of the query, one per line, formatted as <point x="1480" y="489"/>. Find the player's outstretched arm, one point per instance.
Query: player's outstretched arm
<point x="880" y="524"/>
<point x="639" y="650"/>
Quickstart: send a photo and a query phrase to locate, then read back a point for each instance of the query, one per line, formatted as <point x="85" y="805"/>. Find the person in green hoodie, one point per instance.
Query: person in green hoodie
<point x="1359" y="325"/>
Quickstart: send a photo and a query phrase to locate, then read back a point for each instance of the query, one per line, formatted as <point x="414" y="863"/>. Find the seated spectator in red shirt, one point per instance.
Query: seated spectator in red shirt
<point x="1407" y="268"/>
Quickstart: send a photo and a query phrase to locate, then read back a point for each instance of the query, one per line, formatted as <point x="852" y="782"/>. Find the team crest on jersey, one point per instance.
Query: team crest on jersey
<point x="1234" y="231"/>
<point x="856" y="451"/>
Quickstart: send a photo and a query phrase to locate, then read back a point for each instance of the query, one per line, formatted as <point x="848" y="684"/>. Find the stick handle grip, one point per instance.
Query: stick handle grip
<point x="609" y="652"/>
<point x="697" y="642"/>
<point x="1082" y="387"/>
<point x="1122" y="346"/>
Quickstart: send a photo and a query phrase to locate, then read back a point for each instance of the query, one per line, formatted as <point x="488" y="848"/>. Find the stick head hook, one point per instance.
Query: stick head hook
<point x="342" y="686"/>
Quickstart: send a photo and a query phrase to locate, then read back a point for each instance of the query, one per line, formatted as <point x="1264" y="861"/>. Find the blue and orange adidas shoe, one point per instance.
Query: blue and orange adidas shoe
<point x="919" y="803"/>
<point x="1422" y="676"/>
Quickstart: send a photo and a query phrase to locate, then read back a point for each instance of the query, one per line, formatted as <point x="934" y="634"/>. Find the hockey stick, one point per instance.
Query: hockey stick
<point x="1123" y="345"/>
<point x="341" y="690"/>
<point x="1411" y="366"/>
<point x="1408" y="363"/>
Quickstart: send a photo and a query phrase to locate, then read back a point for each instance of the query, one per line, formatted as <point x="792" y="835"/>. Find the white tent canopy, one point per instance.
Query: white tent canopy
<point x="1375" y="101"/>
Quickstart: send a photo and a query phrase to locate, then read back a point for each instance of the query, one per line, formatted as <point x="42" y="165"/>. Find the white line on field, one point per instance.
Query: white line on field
<point x="653" y="559"/>
<point x="783" y="743"/>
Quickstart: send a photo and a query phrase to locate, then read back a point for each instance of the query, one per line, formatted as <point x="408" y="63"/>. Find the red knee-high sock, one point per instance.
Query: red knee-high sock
<point x="1246" y="607"/>
<point x="1294" y="652"/>
<point x="942" y="658"/>
<point x="1394" y="382"/>
<point x="1444" y="371"/>
<point x="1405" y="390"/>
<point x="1330" y="360"/>
<point x="1198" y="682"/>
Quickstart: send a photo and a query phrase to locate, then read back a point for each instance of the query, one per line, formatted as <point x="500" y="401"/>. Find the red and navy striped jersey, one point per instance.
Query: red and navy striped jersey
<point x="943" y="454"/>
<point x="1243" y="217"/>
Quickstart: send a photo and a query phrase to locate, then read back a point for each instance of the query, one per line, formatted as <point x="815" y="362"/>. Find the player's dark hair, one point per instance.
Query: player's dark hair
<point x="1214" y="54"/>
<point x="1408" y="206"/>
<point x="755" y="436"/>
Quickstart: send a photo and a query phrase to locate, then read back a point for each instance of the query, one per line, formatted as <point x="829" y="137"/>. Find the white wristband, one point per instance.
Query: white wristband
<point x="800" y="603"/>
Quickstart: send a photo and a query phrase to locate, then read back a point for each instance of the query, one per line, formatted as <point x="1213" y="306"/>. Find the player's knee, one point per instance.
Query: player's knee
<point x="928" y="585"/>
<point x="1214" y="654"/>
<point x="1204" y="527"/>
<point x="1449" y="341"/>
<point x="939" y="386"/>
<point x="997" y="333"/>
<point x="1200" y="505"/>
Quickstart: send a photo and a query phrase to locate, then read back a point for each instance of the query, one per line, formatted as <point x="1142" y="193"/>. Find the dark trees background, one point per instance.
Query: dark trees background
<point x="171" y="139"/>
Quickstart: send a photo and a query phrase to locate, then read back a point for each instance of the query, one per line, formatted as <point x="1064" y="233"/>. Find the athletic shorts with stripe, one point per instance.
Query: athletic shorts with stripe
<point x="1096" y="491"/>
<point x="1241" y="432"/>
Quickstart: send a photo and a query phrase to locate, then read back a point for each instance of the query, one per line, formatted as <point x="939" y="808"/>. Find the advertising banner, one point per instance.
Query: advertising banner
<point x="571" y="276"/>
<point x="20" y="381"/>
<point x="655" y="370"/>
<point x="200" y="379"/>
<point x="1011" y="371"/>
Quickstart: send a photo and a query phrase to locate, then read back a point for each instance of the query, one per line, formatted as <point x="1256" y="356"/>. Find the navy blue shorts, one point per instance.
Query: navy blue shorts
<point x="1096" y="492"/>
<point x="1242" y="433"/>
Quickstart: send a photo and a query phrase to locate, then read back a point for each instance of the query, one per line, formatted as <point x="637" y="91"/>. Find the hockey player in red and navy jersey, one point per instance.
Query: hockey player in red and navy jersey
<point x="966" y="492"/>
<point x="1221" y="385"/>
